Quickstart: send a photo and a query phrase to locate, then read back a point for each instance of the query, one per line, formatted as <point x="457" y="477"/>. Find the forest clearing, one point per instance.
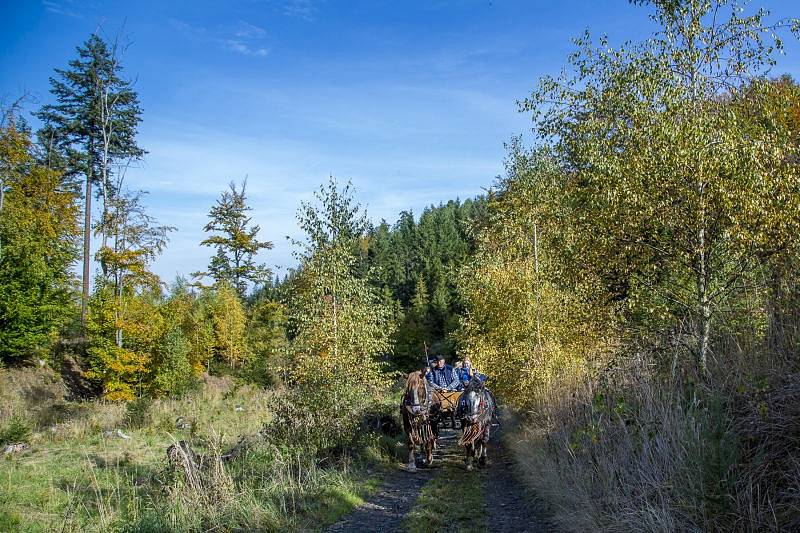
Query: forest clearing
<point x="606" y="339"/>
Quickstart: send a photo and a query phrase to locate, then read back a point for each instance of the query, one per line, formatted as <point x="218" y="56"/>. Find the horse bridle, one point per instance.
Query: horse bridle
<point x="420" y="408"/>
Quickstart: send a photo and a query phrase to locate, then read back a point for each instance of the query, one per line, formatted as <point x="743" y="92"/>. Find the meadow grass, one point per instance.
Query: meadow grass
<point x="79" y="474"/>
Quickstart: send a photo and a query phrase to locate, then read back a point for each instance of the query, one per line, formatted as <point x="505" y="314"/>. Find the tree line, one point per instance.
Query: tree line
<point x="134" y="334"/>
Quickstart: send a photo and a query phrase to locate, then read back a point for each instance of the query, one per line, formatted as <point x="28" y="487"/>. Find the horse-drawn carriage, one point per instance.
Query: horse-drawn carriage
<point x="422" y="410"/>
<point x="448" y="402"/>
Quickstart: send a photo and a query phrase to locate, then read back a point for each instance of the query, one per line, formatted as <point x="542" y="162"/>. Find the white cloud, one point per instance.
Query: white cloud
<point x="305" y="9"/>
<point x="65" y="7"/>
<point x="244" y="38"/>
<point x="245" y="30"/>
<point x="240" y="47"/>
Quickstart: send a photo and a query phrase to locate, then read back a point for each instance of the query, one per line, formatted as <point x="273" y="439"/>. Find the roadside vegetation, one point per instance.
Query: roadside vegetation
<point x="630" y="286"/>
<point x="634" y="291"/>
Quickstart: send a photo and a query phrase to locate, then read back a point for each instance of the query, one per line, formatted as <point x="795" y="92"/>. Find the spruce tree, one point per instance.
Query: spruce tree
<point x="38" y="228"/>
<point x="92" y="127"/>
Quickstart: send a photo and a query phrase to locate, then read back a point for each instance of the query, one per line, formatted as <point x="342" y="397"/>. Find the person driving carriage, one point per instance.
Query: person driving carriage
<point x="443" y="376"/>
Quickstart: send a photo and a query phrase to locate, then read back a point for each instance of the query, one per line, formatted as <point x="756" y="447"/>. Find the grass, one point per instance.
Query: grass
<point x="452" y="501"/>
<point x="79" y="475"/>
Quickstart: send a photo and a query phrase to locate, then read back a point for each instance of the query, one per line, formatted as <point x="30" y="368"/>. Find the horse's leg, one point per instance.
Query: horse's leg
<point x="485" y="444"/>
<point x="481" y="453"/>
<point x="429" y="453"/>
<point x="469" y="449"/>
<point x="411" y="464"/>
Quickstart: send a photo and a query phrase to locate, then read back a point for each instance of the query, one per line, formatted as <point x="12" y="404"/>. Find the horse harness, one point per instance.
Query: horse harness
<point x="478" y="424"/>
<point x="417" y="415"/>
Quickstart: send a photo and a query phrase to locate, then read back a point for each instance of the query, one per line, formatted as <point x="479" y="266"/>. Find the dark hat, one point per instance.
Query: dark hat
<point x="440" y="357"/>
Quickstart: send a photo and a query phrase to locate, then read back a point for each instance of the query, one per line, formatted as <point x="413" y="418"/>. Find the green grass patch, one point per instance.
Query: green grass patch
<point x="452" y="501"/>
<point x="79" y="475"/>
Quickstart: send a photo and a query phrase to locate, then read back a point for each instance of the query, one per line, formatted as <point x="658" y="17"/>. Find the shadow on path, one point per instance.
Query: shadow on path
<point x="511" y="508"/>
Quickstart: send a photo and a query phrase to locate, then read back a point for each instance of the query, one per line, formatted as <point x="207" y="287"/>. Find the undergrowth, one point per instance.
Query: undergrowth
<point x="102" y="466"/>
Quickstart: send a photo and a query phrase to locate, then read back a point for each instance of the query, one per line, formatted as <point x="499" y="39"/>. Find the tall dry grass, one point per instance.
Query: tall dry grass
<point x="613" y="457"/>
<point x="634" y="449"/>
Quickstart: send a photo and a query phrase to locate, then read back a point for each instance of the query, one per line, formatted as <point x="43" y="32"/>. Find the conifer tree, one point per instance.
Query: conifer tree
<point x="92" y="127"/>
<point x="38" y="231"/>
<point x="236" y="242"/>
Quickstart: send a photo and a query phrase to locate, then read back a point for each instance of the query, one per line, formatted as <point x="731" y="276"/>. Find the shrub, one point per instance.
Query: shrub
<point x="174" y="375"/>
<point x="16" y="429"/>
<point x="138" y="412"/>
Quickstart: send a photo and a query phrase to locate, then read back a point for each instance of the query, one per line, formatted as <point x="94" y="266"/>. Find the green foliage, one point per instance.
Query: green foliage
<point x="421" y="260"/>
<point x="341" y="327"/>
<point x="229" y="325"/>
<point x="123" y="372"/>
<point x="16" y="429"/>
<point x="174" y="375"/>
<point x="266" y="339"/>
<point x="236" y="243"/>
<point x="674" y="193"/>
<point x="38" y="227"/>
<point x="521" y="326"/>
<point x="138" y="412"/>
<point x="91" y="96"/>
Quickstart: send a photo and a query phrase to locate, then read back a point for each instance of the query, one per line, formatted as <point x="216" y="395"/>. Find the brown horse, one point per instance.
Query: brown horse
<point x="420" y="418"/>
<point x="476" y="410"/>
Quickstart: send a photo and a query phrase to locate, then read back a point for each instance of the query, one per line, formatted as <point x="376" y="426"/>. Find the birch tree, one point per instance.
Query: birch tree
<point x="675" y="194"/>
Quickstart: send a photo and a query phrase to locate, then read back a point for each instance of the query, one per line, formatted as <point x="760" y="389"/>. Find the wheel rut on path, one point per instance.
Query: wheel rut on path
<point x="510" y="508"/>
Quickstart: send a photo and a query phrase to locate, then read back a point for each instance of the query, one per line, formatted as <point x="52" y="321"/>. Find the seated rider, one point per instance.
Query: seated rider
<point x="442" y="376"/>
<point x="467" y="372"/>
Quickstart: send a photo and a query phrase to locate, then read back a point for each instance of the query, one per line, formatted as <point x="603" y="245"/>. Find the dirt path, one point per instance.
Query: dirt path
<point x="509" y="507"/>
<point x="386" y="508"/>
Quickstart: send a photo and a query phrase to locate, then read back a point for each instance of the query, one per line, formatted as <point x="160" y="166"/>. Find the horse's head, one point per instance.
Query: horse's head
<point x="416" y="393"/>
<point x="474" y="399"/>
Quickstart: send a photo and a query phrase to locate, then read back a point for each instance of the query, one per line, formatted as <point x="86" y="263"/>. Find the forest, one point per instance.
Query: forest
<point x="630" y="285"/>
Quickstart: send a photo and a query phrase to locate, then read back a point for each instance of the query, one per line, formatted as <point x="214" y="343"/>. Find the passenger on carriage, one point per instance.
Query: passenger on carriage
<point x="467" y="371"/>
<point x="442" y="376"/>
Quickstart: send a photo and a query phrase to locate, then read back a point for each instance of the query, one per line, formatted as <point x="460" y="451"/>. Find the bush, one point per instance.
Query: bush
<point x="174" y="376"/>
<point x="138" y="412"/>
<point x="15" y="430"/>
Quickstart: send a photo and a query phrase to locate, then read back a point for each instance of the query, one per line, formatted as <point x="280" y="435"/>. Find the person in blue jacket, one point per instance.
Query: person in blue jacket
<point x="467" y="371"/>
<point x="442" y="376"/>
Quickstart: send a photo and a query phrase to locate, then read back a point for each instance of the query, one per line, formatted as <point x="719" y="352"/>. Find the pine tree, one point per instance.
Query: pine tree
<point x="92" y="127"/>
<point x="236" y="242"/>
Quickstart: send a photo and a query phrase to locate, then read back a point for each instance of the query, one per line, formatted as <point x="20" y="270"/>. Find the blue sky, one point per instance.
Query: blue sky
<point x="411" y="100"/>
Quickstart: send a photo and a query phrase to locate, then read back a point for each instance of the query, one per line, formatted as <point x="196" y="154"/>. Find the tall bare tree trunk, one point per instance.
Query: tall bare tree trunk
<point x="703" y="289"/>
<point x="87" y="236"/>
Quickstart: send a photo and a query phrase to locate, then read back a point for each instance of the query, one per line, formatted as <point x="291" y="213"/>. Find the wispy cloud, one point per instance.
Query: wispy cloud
<point x="243" y="38"/>
<point x="245" y="30"/>
<point x="243" y="48"/>
<point x="305" y="9"/>
<point x="64" y="7"/>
